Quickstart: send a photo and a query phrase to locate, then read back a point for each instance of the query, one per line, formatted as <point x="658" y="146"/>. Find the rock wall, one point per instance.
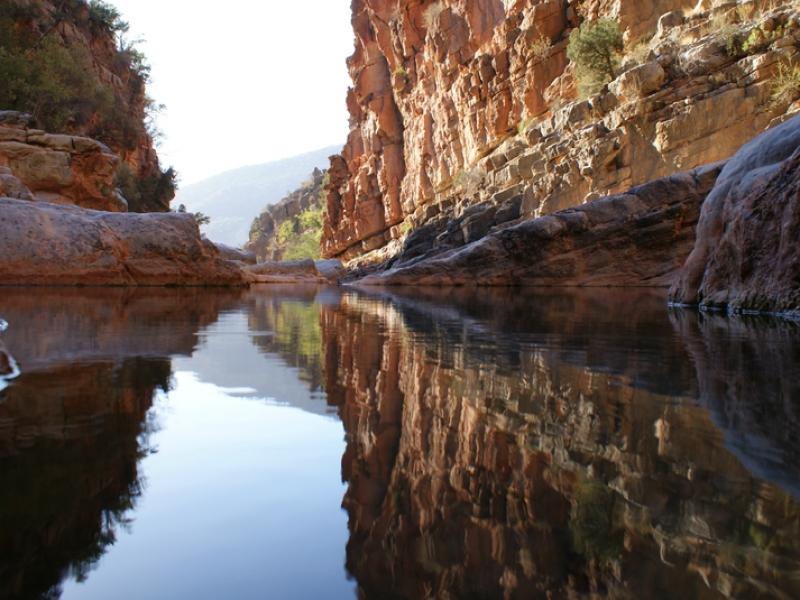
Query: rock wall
<point x="60" y="169"/>
<point x="746" y="255"/>
<point x="461" y="104"/>
<point x="47" y="244"/>
<point x="639" y="238"/>
<point x="119" y="74"/>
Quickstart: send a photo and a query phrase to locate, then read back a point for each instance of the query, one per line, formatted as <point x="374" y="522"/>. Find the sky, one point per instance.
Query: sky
<point x="246" y="82"/>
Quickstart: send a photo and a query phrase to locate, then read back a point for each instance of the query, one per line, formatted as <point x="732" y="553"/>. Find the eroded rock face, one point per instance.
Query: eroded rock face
<point x="72" y="26"/>
<point x="746" y="256"/>
<point x="457" y="105"/>
<point x="60" y="169"/>
<point x="640" y="238"/>
<point x="48" y="244"/>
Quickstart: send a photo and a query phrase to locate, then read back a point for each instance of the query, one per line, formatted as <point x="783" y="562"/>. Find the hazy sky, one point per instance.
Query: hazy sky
<point x="244" y="81"/>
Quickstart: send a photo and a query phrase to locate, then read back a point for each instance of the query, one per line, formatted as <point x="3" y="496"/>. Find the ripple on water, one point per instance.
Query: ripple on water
<point x="8" y="366"/>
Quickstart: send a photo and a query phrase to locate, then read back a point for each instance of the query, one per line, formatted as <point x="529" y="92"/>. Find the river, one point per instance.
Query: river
<point x="291" y="442"/>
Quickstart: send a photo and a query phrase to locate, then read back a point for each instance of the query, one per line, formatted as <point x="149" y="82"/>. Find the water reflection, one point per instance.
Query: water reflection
<point x="511" y="446"/>
<point x="498" y="445"/>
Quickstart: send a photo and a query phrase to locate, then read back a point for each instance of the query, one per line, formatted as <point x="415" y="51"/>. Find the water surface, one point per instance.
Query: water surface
<point x="315" y="443"/>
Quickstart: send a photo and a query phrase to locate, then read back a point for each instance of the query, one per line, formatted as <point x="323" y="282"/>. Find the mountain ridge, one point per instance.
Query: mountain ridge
<point x="234" y="198"/>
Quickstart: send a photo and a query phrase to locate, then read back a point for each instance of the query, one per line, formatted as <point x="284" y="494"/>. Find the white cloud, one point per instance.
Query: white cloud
<point x="244" y="81"/>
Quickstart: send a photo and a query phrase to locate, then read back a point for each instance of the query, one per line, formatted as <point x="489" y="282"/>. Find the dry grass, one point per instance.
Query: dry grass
<point x="541" y="47"/>
<point x="786" y="85"/>
<point x="431" y="14"/>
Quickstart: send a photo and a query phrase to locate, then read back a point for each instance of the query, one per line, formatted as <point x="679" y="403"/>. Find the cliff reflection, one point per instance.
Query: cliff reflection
<point x="563" y="445"/>
<point x="75" y="423"/>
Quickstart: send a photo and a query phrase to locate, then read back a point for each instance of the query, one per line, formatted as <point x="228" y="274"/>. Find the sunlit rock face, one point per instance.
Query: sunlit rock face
<point x="61" y="169"/>
<point x="551" y="453"/>
<point x="86" y="247"/>
<point x="71" y="168"/>
<point x="466" y="112"/>
<point x="73" y="425"/>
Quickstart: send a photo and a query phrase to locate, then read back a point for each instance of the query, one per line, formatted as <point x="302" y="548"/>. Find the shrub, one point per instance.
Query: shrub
<point x="300" y="237"/>
<point x="431" y="14"/>
<point x="106" y="16"/>
<point x="595" y="49"/>
<point x="149" y="192"/>
<point x="541" y="47"/>
<point x="55" y="84"/>
<point x="786" y="85"/>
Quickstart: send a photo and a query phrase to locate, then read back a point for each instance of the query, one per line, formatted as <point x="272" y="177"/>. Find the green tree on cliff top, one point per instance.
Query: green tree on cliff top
<point x="595" y="49"/>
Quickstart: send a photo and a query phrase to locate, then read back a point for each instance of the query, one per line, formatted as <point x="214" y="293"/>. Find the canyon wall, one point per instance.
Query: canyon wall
<point x="69" y="66"/>
<point x="472" y="106"/>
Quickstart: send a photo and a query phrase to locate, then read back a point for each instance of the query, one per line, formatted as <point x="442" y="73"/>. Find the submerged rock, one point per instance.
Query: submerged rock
<point x="640" y="238"/>
<point x="48" y="244"/>
<point x="747" y="257"/>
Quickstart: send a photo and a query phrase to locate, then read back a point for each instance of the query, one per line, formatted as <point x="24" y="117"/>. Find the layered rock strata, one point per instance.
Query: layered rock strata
<point x="48" y="244"/>
<point x="117" y="74"/>
<point x="640" y="238"/>
<point x="457" y="105"/>
<point x="746" y="256"/>
<point x="61" y="169"/>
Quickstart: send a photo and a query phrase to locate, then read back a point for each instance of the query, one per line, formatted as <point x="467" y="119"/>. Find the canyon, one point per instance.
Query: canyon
<point x="473" y="107"/>
<point x="534" y="454"/>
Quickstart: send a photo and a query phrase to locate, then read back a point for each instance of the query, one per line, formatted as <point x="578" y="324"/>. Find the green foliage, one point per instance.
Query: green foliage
<point x="596" y="532"/>
<point x="106" y="16"/>
<point x="60" y="85"/>
<point x="595" y="49"/>
<point x="286" y="231"/>
<point x="300" y="237"/>
<point x="147" y="193"/>
<point x="759" y="38"/>
<point x="200" y="218"/>
<point x="55" y="84"/>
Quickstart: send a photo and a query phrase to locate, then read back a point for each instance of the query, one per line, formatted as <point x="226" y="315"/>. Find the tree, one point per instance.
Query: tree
<point x="595" y="49"/>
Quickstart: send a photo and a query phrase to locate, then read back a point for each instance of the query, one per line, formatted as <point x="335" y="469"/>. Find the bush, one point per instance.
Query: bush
<point x="300" y="237"/>
<point x="55" y="84"/>
<point x="786" y="85"/>
<point x="105" y="16"/>
<point x="59" y="85"/>
<point x="595" y="49"/>
<point x="147" y="193"/>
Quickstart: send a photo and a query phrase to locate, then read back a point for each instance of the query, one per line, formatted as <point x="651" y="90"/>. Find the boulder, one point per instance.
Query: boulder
<point x="295" y="271"/>
<point x="237" y="254"/>
<point x="48" y="244"/>
<point x="640" y="238"/>
<point x="747" y="254"/>
<point x="12" y="187"/>
<point x="639" y="82"/>
<point x="59" y="169"/>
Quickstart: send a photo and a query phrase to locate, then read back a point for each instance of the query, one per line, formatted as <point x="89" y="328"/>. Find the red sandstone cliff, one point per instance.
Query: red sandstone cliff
<point x="460" y="104"/>
<point x="109" y="100"/>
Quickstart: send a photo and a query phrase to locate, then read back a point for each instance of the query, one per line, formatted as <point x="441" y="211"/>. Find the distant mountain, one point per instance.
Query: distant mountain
<point x="234" y="198"/>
